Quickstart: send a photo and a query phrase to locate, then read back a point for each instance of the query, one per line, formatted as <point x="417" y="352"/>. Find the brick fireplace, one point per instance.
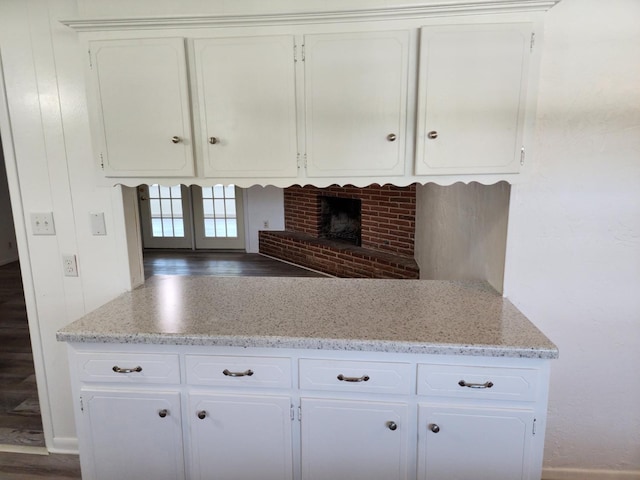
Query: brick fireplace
<point x="348" y="231"/>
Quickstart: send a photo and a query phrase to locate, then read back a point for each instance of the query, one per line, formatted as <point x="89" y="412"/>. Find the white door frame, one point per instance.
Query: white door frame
<point x="25" y="261"/>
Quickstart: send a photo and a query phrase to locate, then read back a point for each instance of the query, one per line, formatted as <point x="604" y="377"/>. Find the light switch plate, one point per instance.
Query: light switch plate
<point x="97" y="224"/>
<point x="42" y="224"/>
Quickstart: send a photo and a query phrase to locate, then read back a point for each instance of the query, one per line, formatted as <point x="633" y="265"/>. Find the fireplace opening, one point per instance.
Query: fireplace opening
<point x="340" y="219"/>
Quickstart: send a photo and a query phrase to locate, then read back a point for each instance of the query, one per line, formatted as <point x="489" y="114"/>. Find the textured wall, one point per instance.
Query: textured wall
<point x="573" y="258"/>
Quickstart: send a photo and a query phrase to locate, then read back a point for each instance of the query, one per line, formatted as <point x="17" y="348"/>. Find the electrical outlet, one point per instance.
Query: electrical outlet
<point x="42" y="223"/>
<point x="70" y="265"/>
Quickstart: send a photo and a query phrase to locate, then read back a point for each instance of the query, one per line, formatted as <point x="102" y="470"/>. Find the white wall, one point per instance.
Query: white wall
<point x="262" y="204"/>
<point x="43" y="122"/>
<point x="461" y="231"/>
<point x="573" y="258"/>
<point x="8" y="247"/>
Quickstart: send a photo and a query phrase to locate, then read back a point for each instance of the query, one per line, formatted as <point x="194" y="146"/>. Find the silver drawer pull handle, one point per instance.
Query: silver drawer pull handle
<point x="117" y="369"/>
<point x="462" y="383"/>
<point x="364" y="378"/>
<point x="246" y="373"/>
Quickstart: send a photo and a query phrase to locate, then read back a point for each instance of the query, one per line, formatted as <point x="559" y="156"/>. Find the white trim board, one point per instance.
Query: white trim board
<point x="588" y="474"/>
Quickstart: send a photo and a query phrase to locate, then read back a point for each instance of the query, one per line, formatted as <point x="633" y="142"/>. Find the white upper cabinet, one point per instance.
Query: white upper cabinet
<point x="428" y="93"/>
<point x="142" y="117"/>
<point x="356" y="103"/>
<point x="247" y="106"/>
<point x="472" y="98"/>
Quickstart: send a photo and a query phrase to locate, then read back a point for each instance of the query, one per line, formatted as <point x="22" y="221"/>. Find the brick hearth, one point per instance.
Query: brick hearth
<point x="387" y="233"/>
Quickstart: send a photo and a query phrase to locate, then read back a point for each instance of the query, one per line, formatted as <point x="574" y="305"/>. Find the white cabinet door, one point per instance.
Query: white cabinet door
<point x="464" y="443"/>
<point x="140" y="106"/>
<point x="133" y="435"/>
<point x="247" y="106"/>
<point x="355" y="103"/>
<point x="241" y="437"/>
<point x="472" y="98"/>
<point x="358" y="440"/>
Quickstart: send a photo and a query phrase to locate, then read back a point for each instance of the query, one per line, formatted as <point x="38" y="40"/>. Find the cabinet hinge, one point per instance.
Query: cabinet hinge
<point x="303" y="53"/>
<point x="81" y="405"/>
<point x="522" y="156"/>
<point x="533" y="430"/>
<point x="533" y="41"/>
<point x="101" y="162"/>
<point x="298" y="160"/>
<point x="293" y="414"/>
<point x="295" y="52"/>
<point x="305" y="161"/>
<point x="299" y="413"/>
<point x="90" y="61"/>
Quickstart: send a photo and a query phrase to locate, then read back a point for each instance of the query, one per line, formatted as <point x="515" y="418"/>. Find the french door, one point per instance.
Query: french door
<point x="191" y="217"/>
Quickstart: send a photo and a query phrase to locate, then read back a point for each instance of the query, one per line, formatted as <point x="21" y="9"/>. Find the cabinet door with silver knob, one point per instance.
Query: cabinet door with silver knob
<point x="133" y="434"/>
<point x="490" y="443"/>
<point x="247" y="98"/>
<point x="376" y="445"/>
<point x="139" y="107"/>
<point x="356" y="103"/>
<point x="472" y="98"/>
<point x="241" y="436"/>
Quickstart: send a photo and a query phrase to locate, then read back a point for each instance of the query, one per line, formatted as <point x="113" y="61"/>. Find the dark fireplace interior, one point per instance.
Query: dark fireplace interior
<point x="340" y="219"/>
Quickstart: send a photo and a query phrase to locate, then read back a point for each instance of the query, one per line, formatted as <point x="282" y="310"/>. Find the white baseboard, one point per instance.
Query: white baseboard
<point x="26" y="449"/>
<point x="65" y="445"/>
<point x="584" y="474"/>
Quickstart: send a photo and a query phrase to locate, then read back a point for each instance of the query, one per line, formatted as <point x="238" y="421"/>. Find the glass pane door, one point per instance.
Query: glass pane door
<point x="165" y="213"/>
<point x="218" y="219"/>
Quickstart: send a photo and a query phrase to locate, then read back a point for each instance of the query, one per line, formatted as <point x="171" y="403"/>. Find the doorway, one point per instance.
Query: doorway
<point x="196" y="218"/>
<point x="20" y="416"/>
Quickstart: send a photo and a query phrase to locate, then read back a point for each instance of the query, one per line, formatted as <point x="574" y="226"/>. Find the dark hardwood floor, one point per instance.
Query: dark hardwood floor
<point x="228" y="264"/>
<point x="20" y="421"/>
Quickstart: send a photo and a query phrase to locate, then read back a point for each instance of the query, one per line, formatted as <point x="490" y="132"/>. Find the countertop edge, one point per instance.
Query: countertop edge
<point x="313" y="344"/>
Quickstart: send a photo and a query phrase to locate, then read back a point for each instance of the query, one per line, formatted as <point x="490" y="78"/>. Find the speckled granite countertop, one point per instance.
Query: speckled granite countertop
<point x="407" y="316"/>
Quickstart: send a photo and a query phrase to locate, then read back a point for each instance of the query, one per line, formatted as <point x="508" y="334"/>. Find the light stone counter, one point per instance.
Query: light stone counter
<point x="407" y="316"/>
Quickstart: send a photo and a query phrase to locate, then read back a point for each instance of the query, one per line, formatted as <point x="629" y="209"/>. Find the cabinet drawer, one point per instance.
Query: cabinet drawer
<point x="347" y="376"/>
<point x="274" y="372"/>
<point x="129" y="368"/>
<point x="478" y="382"/>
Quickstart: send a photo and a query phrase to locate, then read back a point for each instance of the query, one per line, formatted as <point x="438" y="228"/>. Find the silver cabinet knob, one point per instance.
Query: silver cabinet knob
<point x="392" y="426"/>
<point x="434" y="428"/>
<point x="432" y="134"/>
<point x="214" y="140"/>
<point x="176" y="139"/>
<point x="163" y="413"/>
<point x="202" y="414"/>
<point x="392" y="137"/>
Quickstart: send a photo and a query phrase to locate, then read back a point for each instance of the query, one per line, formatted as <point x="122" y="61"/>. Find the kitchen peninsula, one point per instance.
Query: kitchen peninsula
<point x="287" y="378"/>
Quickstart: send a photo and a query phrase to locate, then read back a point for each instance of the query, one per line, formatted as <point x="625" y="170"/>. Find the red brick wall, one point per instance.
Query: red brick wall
<point x="388" y="219"/>
<point x="347" y="261"/>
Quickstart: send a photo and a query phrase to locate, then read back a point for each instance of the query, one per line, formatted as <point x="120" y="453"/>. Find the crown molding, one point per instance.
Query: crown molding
<point x="298" y="18"/>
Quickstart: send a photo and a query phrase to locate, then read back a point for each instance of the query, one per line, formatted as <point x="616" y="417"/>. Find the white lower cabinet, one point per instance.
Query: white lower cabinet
<point x="240" y="437"/>
<point x="231" y="413"/>
<point x="465" y="442"/>
<point x="355" y="439"/>
<point x="132" y="435"/>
